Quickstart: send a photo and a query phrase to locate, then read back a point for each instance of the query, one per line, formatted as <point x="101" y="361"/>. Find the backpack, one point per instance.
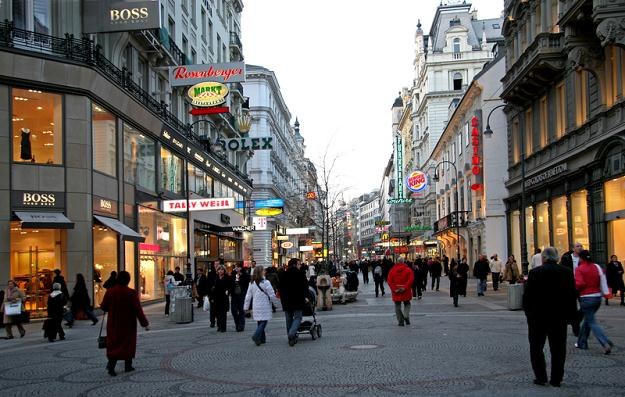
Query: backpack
<point x="170" y="284"/>
<point x="378" y="270"/>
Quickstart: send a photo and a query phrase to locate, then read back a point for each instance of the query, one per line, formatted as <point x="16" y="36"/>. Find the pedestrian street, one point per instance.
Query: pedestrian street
<point x="478" y="349"/>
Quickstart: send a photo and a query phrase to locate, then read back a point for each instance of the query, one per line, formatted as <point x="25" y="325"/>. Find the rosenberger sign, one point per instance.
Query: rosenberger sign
<point x="230" y="72"/>
<point x="205" y="204"/>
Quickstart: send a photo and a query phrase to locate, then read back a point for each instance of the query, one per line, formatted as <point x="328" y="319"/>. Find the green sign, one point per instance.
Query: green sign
<point x="399" y="200"/>
<point x="417" y="228"/>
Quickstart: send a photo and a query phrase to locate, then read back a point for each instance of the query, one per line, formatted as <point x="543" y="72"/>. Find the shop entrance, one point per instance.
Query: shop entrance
<point x="616" y="236"/>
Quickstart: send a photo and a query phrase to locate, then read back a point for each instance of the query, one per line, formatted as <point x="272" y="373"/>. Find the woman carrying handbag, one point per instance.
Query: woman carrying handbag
<point x="13" y="308"/>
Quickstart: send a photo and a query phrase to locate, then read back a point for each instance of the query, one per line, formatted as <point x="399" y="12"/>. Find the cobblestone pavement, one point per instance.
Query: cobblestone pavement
<point x="478" y="349"/>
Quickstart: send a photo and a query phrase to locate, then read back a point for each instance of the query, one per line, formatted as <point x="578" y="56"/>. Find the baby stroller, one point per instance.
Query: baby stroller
<point x="310" y="325"/>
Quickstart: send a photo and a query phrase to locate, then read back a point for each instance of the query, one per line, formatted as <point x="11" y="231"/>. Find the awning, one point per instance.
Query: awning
<point x="124" y="231"/>
<point x="44" y="220"/>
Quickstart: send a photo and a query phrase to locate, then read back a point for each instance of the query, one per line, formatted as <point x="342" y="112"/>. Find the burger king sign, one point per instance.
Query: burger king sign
<point x="416" y="181"/>
<point x="208" y="94"/>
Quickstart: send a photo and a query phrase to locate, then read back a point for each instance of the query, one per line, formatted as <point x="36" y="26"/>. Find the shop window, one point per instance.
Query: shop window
<point x="104" y="138"/>
<point x="139" y="159"/>
<point x="529" y="230"/>
<point x="130" y="248"/>
<point x="35" y="253"/>
<point x="560" y="110"/>
<point x="542" y="225"/>
<point x="528" y="133"/>
<point x="172" y="172"/>
<point x="37" y="127"/>
<point x="559" y="222"/>
<point x="515" y="233"/>
<point x="228" y="249"/>
<point x="616" y="236"/>
<point x="516" y="149"/>
<point x="544" y="122"/>
<point x="33" y="15"/>
<point x="614" y="192"/>
<point x="579" y="217"/>
<point x="104" y="259"/>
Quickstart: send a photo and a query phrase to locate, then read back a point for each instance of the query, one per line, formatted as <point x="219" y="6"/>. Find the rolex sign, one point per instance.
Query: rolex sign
<point x="102" y="16"/>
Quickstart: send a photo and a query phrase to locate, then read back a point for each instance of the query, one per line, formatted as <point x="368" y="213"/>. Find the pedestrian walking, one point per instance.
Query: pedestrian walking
<point x="549" y="305"/>
<point x="211" y="275"/>
<point x="536" y="259"/>
<point x="570" y="258"/>
<point x="111" y="281"/>
<point x="80" y="303"/>
<point x="400" y="279"/>
<point x="168" y="283"/>
<point x="463" y="272"/>
<point x="481" y="268"/>
<point x="201" y="286"/>
<point x="614" y="273"/>
<point x="378" y="279"/>
<point x="591" y="284"/>
<point x="511" y="270"/>
<point x="446" y="265"/>
<point x="13" y="295"/>
<point x="261" y="297"/>
<point x="58" y="278"/>
<point x="435" y="273"/>
<point x="293" y="289"/>
<point x="364" y="268"/>
<point x="123" y="310"/>
<point x="240" y="284"/>
<point x="455" y="280"/>
<point x="56" y="303"/>
<point x="495" y="270"/>
<point x="219" y="297"/>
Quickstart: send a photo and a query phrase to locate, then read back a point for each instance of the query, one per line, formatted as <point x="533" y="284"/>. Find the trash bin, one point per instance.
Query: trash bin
<point x="181" y="307"/>
<point x="515" y="297"/>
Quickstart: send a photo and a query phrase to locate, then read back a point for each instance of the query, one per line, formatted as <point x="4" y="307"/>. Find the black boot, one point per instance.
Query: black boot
<point x="110" y="367"/>
<point x="128" y="366"/>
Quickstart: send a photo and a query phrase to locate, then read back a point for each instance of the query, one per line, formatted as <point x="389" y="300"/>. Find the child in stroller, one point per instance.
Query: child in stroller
<point x="310" y="325"/>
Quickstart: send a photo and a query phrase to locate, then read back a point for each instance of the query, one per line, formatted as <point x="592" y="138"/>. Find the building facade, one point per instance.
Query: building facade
<point x="565" y="84"/>
<point x="368" y="215"/>
<point x="94" y="154"/>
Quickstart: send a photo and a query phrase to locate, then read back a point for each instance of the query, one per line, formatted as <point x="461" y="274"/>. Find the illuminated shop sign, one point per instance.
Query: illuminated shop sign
<point x="305" y="248"/>
<point x="269" y="211"/>
<point x="311" y="195"/>
<point x="286" y="245"/>
<point x="229" y="72"/>
<point x="208" y="94"/>
<point x="301" y="230"/>
<point x="104" y="205"/>
<point x="29" y="199"/>
<point x="417" y="181"/>
<point x="205" y="204"/>
<point x="476" y="160"/>
<point x="102" y="16"/>
<point x="260" y="222"/>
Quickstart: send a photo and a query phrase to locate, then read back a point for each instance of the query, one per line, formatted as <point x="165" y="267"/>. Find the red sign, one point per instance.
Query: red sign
<point x="311" y="195"/>
<point x="401" y="249"/>
<point x="214" y="110"/>
<point x="149" y="247"/>
<point x="476" y="160"/>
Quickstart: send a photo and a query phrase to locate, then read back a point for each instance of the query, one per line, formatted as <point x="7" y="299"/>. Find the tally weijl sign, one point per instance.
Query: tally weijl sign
<point x="205" y="204"/>
<point x="102" y="16"/>
<point x="225" y="72"/>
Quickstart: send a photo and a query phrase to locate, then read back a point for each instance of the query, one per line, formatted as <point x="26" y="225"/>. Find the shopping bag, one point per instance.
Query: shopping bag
<point x="102" y="338"/>
<point x="13" y="308"/>
<point x="206" y="305"/>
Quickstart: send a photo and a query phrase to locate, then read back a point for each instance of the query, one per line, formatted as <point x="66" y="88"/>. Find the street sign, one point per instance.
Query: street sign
<point x="399" y="200"/>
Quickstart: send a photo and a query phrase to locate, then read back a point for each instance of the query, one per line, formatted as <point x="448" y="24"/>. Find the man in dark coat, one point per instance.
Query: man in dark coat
<point x="364" y="268"/>
<point x="56" y="301"/>
<point x="210" y="277"/>
<point x="58" y="278"/>
<point x="123" y="308"/>
<point x="549" y="302"/>
<point x="201" y="286"/>
<point x="293" y="288"/>
<point x="240" y="283"/>
<point x="179" y="276"/>
<point x="481" y="268"/>
<point x="435" y="272"/>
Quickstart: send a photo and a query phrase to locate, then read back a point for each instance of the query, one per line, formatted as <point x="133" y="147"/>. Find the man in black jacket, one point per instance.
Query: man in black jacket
<point x="435" y="273"/>
<point x="241" y="281"/>
<point x="293" y="288"/>
<point x="201" y="286"/>
<point x="549" y="304"/>
<point x="481" y="268"/>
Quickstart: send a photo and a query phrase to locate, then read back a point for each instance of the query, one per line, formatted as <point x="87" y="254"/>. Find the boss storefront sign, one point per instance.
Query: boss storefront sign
<point x="102" y="16"/>
<point x="28" y="199"/>
<point x="104" y="206"/>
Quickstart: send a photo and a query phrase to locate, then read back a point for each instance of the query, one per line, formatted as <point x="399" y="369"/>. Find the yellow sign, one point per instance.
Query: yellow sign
<point x="208" y="94"/>
<point x="268" y="211"/>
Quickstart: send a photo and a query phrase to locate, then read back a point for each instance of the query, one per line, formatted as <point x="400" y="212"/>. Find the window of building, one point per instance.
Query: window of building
<point x="104" y="138"/>
<point x="559" y="224"/>
<point x="542" y="225"/>
<point x="219" y="48"/>
<point x="614" y="193"/>
<point x="529" y="133"/>
<point x="555" y="16"/>
<point x="139" y="159"/>
<point x="581" y="97"/>
<point x="456" y="45"/>
<point x="104" y="259"/>
<point x="457" y="81"/>
<point x="171" y="26"/>
<point x="210" y="36"/>
<point x="579" y="217"/>
<point x="615" y="68"/>
<point x="538" y="28"/>
<point x="37" y="127"/>
<point x="529" y="230"/>
<point x="33" y="15"/>
<point x="467" y="134"/>
<point x="200" y="182"/>
<point x="544" y="122"/>
<point x="560" y="110"/>
<point x="515" y="233"/>
<point x="172" y="172"/>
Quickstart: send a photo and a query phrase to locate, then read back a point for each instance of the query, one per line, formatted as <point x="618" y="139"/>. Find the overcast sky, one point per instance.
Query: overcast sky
<point x="340" y="65"/>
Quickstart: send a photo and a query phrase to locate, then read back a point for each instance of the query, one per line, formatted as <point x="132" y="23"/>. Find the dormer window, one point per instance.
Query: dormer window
<point x="456" y="45"/>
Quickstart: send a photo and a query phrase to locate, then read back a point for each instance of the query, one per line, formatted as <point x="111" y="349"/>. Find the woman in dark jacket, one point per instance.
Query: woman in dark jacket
<point x="463" y="272"/>
<point x="614" y="274"/>
<point x="454" y="281"/>
<point x="221" y="288"/>
<point x="81" y="301"/>
<point x="124" y="309"/>
<point x="112" y="280"/>
<point x="56" y="302"/>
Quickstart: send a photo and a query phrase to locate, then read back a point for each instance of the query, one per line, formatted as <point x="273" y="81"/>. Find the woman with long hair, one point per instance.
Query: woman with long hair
<point x="260" y="295"/>
<point x="81" y="302"/>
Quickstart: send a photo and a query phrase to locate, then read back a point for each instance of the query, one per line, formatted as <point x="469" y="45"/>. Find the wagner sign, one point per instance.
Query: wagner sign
<point x="102" y="16"/>
<point x="208" y="94"/>
<point x="230" y="72"/>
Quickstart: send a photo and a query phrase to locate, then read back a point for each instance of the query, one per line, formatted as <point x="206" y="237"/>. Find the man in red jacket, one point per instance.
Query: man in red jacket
<point x="400" y="281"/>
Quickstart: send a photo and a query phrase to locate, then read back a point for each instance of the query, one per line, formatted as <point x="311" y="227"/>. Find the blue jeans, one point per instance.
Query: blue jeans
<point x="481" y="286"/>
<point x="589" y="306"/>
<point x="293" y="320"/>
<point x="259" y="334"/>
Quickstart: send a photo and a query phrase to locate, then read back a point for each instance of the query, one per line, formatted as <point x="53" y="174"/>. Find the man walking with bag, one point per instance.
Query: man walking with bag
<point x="293" y="288"/>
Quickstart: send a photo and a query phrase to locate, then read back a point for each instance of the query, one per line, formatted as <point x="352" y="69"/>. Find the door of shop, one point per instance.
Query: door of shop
<point x="36" y="279"/>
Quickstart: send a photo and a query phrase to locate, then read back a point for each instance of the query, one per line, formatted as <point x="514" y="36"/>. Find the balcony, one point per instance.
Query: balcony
<point x="541" y="64"/>
<point x="235" y="45"/>
<point x="450" y="221"/>
<point x="168" y="43"/>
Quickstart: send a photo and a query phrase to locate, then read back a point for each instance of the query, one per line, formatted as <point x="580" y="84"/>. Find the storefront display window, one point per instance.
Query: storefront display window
<point x="560" y="224"/>
<point x="229" y="249"/>
<point x="542" y="225"/>
<point x="103" y="128"/>
<point x="579" y="217"/>
<point x="37" y="127"/>
<point x="172" y="172"/>
<point x="35" y="253"/>
<point x="515" y="233"/>
<point x="200" y="182"/>
<point x="129" y="260"/>
<point x="614" y="192"/>
<point x="529" y="230"/>
<point x="104" y="259"/>
<point x="139" y="159"/>
<point x="616" y="236"/>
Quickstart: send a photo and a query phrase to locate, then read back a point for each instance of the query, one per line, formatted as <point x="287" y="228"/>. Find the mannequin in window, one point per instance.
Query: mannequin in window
<point x="25" y="149"/>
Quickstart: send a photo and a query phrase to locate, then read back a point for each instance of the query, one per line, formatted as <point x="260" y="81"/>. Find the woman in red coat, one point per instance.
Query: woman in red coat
<point x="123" y="307"/>
<point x="400" y="281"/>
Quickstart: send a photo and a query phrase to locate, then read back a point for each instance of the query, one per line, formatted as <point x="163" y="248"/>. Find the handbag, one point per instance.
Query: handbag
<point x="13" y="308"/>
<point x="206" y="304"/>
<point x="102" y="339"/>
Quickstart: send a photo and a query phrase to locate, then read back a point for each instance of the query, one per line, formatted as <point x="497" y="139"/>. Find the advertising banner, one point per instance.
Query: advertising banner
<point x="103" y="16"/>
<point x="227" y="72"/>
<point x="198" y="204"/>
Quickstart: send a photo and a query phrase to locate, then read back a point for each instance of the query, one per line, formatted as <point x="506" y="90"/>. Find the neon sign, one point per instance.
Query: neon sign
<point x="476" y="160"/>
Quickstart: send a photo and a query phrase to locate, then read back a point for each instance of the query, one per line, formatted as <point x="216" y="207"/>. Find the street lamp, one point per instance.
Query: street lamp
<point x="436" y="179"/>
<point x="489" y="132"/>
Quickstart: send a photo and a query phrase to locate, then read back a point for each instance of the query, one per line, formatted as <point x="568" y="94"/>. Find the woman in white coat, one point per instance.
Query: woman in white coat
<point x="260" y="295"/>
